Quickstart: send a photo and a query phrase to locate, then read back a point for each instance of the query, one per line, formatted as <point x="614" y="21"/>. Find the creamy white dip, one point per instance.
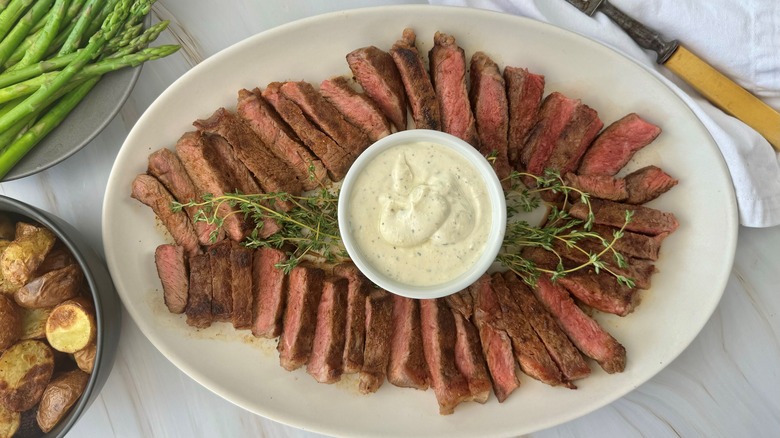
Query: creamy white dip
<point x="420" y="213"/>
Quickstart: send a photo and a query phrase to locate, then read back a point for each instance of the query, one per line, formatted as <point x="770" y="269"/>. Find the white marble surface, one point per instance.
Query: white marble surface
<point x="725" y="384"/>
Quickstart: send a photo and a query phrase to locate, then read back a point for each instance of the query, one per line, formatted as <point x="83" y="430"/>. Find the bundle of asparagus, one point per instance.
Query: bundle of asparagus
<point x="53" y="52"/>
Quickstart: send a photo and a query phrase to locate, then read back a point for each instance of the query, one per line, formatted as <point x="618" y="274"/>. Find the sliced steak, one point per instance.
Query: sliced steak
<point x="647" y="183"/>
<point x="555" y="114"/>
<point x="221" y="281"/>
<point x="530" y="351"/>
<point x="469" y="358"/>
<point x="172" y="269"/>
<point x="198" y="308"/>
<point x="333" y="156"/>
<point x="447" y="63"/>
<point x="166" y="167"/>
<point x="379" y="332"/>
<point x="356" y="107"/>
<point x="241" y="286"/>
<point x="496" y="344"/>
<point x="438" y="338"/>
<point x="269" y="287"/>
<point x="356" y="316"/>
<point x="599" y="186"/>
<point x="266" y="123"/>
<point x="638" y="270"/>
<point x="583" y="331"/>
<point x="645" y="220"/>
<point x="323" y="114"/>
<point x="617" y="144"/>
<point x="562" y="351"/>
<point x="151" y="192"/>
<point x="462" y="302"/>
<point x="574" y="140"/>
<point x="491" y="112"/>
<point x="300" y="316"/>
<point x="407" y="367"/>
<point x="417" y="82"/>
<point x="630" y="245"/>
<point x="209" y="176"/>
<point x="272" y="173"/>
<point x="524" y="96"/>
<point x="326" y="362"/>
<point x="376" y="72"/>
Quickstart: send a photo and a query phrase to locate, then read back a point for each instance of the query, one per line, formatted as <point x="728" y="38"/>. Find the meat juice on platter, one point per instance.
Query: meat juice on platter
<point x="533" y="320"/>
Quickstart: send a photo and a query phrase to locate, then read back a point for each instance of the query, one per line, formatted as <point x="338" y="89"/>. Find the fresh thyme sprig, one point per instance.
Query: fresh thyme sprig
<point x="309" y="229"/>
<point x="559" y="229"/>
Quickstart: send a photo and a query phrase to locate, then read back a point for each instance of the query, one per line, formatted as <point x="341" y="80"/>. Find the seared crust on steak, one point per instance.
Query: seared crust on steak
<point x="198" y="308"/>
<point x="376" y="72"/>
<point x="574" y="140"/>
<point x="599" y="186"/>
<point x="379" y="331"/>
<point x="447" y="63"/>
<point x="617" y="144"/>
<point x="300" y="316"/>
<point x="524" y="96"/>
<point x="645" y="220"/>
<point x="647" y="183"/>
<point x="555" y="113"/>
<point x="491" y="112"/>
<point x="171" y="266"/>
<point x="631" y="244"/>
<point x="356" y="316"/>
<point x="407" y="367"/>
<point x="469" y="358"/>
<point x="151" y="192"/>
<point x="269" y="287"/>
<point x="326" y="362"/>
<point x="221" y="282"/>
<point x="417" y="82"/>
<point x="356" y="107"/>
<point x="241" y="285"/>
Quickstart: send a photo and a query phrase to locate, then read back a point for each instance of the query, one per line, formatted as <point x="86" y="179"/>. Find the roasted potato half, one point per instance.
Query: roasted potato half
<point x="34" y="323"/>
<point x="9" y="422"/>
<point x="71" y="325"/>
<point x="58" y="257"/>
<point x="59" y="396"/>
<point x="10" y="322"/>
<point x="25" y="370"/>
<point x="24" y="254"/>
<point x="51" y="288"/>
<point x="85" y="358"/>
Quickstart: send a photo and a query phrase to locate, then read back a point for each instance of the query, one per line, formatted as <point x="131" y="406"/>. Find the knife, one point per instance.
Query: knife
<point x="713" y="85"/>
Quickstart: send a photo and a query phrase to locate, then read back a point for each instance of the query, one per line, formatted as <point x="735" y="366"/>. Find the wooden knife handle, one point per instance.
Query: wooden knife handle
<point x="726" y="94"/>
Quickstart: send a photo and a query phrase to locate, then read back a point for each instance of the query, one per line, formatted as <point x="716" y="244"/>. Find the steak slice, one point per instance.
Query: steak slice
<point x="645" y="220"/>
<point x="599" y="186"/>
<point x="356" y="107"/>
<point x="266" y="123"/>
<point x="323" y="114"/>
<point x="407" y="367"/>
<point x="469" y="358"/>
<point x="272" y="173"/>
<point x="617" y="144"/>
<point x="221" y="281"/>
<point x="524" y="92"/>
<point x="198" y="308"/>
<point x="447" y="63"/>
<point x="584" y="332"/>
<point x="333" y="156"/>
<point x="379" y="332"/>
<point x="269" y="287"/>
<point x="462" y="302"/>
<point x="530" y="351"/>
<point x="417" y="82"/>
<point x="562" y="351"/>
<point x="241" y="286"/>
<point x="209" y="175"/>
<point x="638" y="270"/>
<point x="356" y="316"/>
<point x="647" y="183"/>
<point x="300" y="316"/>
<point x="171" y="266"/>
<point x="326" y="363"/>
<point x="166" y="167"/>
<point x="376" y="72"/>
<point x="491" y="112"/>
<point x="438" y="339"/>
<point x="574" y="140"/>
<point x="630" y="245"/>
<point x="496" y="344"/>
<point x="151" y="192"/>
<point x="555" y="114"/>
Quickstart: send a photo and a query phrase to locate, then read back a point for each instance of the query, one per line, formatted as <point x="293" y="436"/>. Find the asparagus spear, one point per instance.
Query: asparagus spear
<point x="12" y="13"/>
<point x="22" y="28"/>
<point x="142" y="40"/>
<point x="3" y="4"/>
<point x="37" y="49"/>
<point x="74" y="39"/>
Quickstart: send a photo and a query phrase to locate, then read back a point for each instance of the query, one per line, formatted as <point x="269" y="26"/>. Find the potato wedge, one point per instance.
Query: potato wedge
<point x="34" y="323"/>
<point x="5" y="287"/>
<point x="58" y="257"/>
<point x="60" y="395"/>
<point x="25" y="370"/>
<point x="10" y="322"/>
<point x="71" y="325"/>
<point x="24" y="228"/>
<point x="9" y="422"/>
<point x="51" y="288"/>
<point x="23" y="256"/>
<point x="85" y="358"/>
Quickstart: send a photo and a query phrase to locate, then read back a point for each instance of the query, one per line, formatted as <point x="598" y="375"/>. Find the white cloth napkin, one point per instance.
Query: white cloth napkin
<point x="740" y="38"/>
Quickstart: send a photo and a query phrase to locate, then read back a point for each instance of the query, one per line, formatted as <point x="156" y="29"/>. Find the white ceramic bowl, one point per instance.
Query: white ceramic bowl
<point x="497" y="205"/>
